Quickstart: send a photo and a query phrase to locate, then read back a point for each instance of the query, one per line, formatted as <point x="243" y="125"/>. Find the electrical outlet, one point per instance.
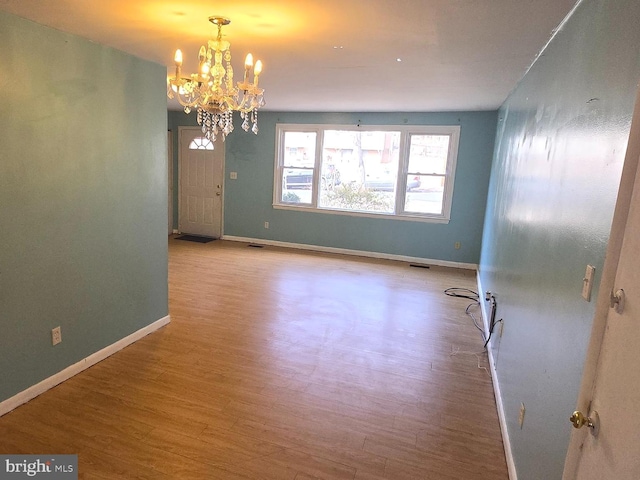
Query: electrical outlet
<point x="521" y="415"/>
<point x="233" y="175"/>
<point x="456" y="245"/>
<point x="56" y="336"/>
<point x="266" y="224"/>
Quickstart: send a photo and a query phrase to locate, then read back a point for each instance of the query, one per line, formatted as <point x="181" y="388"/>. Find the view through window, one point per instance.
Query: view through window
<point x="378" y="170"/>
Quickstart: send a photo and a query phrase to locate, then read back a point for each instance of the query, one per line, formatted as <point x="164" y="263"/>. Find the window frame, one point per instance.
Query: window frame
<point x="281" y="129"/>
<point x="406" y="131"/>
<point x="201" y="143"/>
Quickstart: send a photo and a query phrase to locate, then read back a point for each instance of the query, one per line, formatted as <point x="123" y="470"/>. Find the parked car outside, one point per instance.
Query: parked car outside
<point x="303" y="179"/>
<point x="389" y="185"/>
<point x="298" y="179"/>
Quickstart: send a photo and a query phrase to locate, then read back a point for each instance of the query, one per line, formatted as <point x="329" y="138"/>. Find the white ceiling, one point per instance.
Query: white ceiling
<point x="455" y="54"/>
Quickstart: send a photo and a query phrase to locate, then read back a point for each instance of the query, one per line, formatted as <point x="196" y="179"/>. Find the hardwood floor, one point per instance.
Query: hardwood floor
<point x="286" y="365"/>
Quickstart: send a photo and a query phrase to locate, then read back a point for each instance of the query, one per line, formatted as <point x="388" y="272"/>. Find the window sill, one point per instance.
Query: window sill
<point x="386" y="216"/>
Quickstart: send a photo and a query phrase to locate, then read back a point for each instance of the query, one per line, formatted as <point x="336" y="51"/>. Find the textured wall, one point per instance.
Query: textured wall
<point x="559" y="151"/>
<point x="82" y="199"/>
<point x="248" y="200"/>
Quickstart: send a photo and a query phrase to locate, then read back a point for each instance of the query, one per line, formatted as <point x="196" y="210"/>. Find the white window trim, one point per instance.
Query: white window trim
<point x="405" y="133"/>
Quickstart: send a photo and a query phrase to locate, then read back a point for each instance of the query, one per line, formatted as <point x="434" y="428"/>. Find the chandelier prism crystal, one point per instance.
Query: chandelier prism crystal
<point x="211" y="91"/>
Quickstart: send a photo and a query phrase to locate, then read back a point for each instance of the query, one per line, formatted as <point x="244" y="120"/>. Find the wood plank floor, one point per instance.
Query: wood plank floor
<point x="284" y="365"/>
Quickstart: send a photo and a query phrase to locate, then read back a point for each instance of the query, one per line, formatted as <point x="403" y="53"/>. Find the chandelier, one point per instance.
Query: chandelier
<point x="212" y="92"/>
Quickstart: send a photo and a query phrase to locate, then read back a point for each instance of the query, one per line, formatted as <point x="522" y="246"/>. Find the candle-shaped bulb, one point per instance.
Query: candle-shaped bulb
<point x="202" y="55"/>
<point x="256" y="72"/>
<point x="178" y="58"/>
<point x="248" y="63"/>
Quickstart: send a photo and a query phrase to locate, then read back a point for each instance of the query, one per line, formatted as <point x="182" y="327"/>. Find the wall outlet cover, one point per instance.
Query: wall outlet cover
<point x="56" y="336"/>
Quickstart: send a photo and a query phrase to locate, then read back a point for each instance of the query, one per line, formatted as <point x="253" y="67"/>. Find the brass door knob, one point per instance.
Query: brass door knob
<point x="579" y="420"/>
<point x="617" y="300"/>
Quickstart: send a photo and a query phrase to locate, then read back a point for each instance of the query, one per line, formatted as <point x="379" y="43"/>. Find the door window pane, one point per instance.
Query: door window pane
<point x="201" y="143"/>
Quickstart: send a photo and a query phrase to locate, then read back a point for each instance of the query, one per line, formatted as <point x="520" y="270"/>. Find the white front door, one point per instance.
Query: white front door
<point x="611" y="386"/>
<point x="201" y="166"/>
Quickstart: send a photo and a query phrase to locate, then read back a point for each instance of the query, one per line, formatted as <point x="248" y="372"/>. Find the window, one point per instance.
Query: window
<point x="201" y="143"/>
<point x="405" y="172"/>
<point x="298" y="164"/>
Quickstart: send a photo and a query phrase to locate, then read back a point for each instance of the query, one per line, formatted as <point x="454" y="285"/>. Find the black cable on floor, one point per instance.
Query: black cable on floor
<point x="471" y="295"/>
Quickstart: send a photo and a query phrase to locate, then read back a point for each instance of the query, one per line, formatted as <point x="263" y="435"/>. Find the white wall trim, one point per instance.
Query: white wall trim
<point x="48" y="383"/>
<point x="511" y="466"/>
<point x="359" y="253"/>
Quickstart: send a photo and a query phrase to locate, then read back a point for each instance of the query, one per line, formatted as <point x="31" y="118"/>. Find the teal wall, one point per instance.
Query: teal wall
<point x="248" y="200"/>
<point x="82" y="199"/>
<point x="560" y="148"/>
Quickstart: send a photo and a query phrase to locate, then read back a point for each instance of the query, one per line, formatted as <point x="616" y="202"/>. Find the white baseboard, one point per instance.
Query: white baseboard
<point x="511" y="466"/>
<point x="48" y="383"/>
<point x="358" y="253"/>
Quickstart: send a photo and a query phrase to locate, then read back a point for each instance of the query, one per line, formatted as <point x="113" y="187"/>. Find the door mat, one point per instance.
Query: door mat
<point x="195" y="238"/>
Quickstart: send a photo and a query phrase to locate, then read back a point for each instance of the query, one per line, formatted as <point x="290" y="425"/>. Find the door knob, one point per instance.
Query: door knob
<point x="617" y="300"/>
<point x="218" y="194"/>
<point x="579" y="420"/>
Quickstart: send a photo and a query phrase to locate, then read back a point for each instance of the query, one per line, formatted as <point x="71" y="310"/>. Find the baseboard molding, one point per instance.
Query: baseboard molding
<point x="358" y="253"/>
<point x="511" y="466"/>
<point x="48" y="383"/>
